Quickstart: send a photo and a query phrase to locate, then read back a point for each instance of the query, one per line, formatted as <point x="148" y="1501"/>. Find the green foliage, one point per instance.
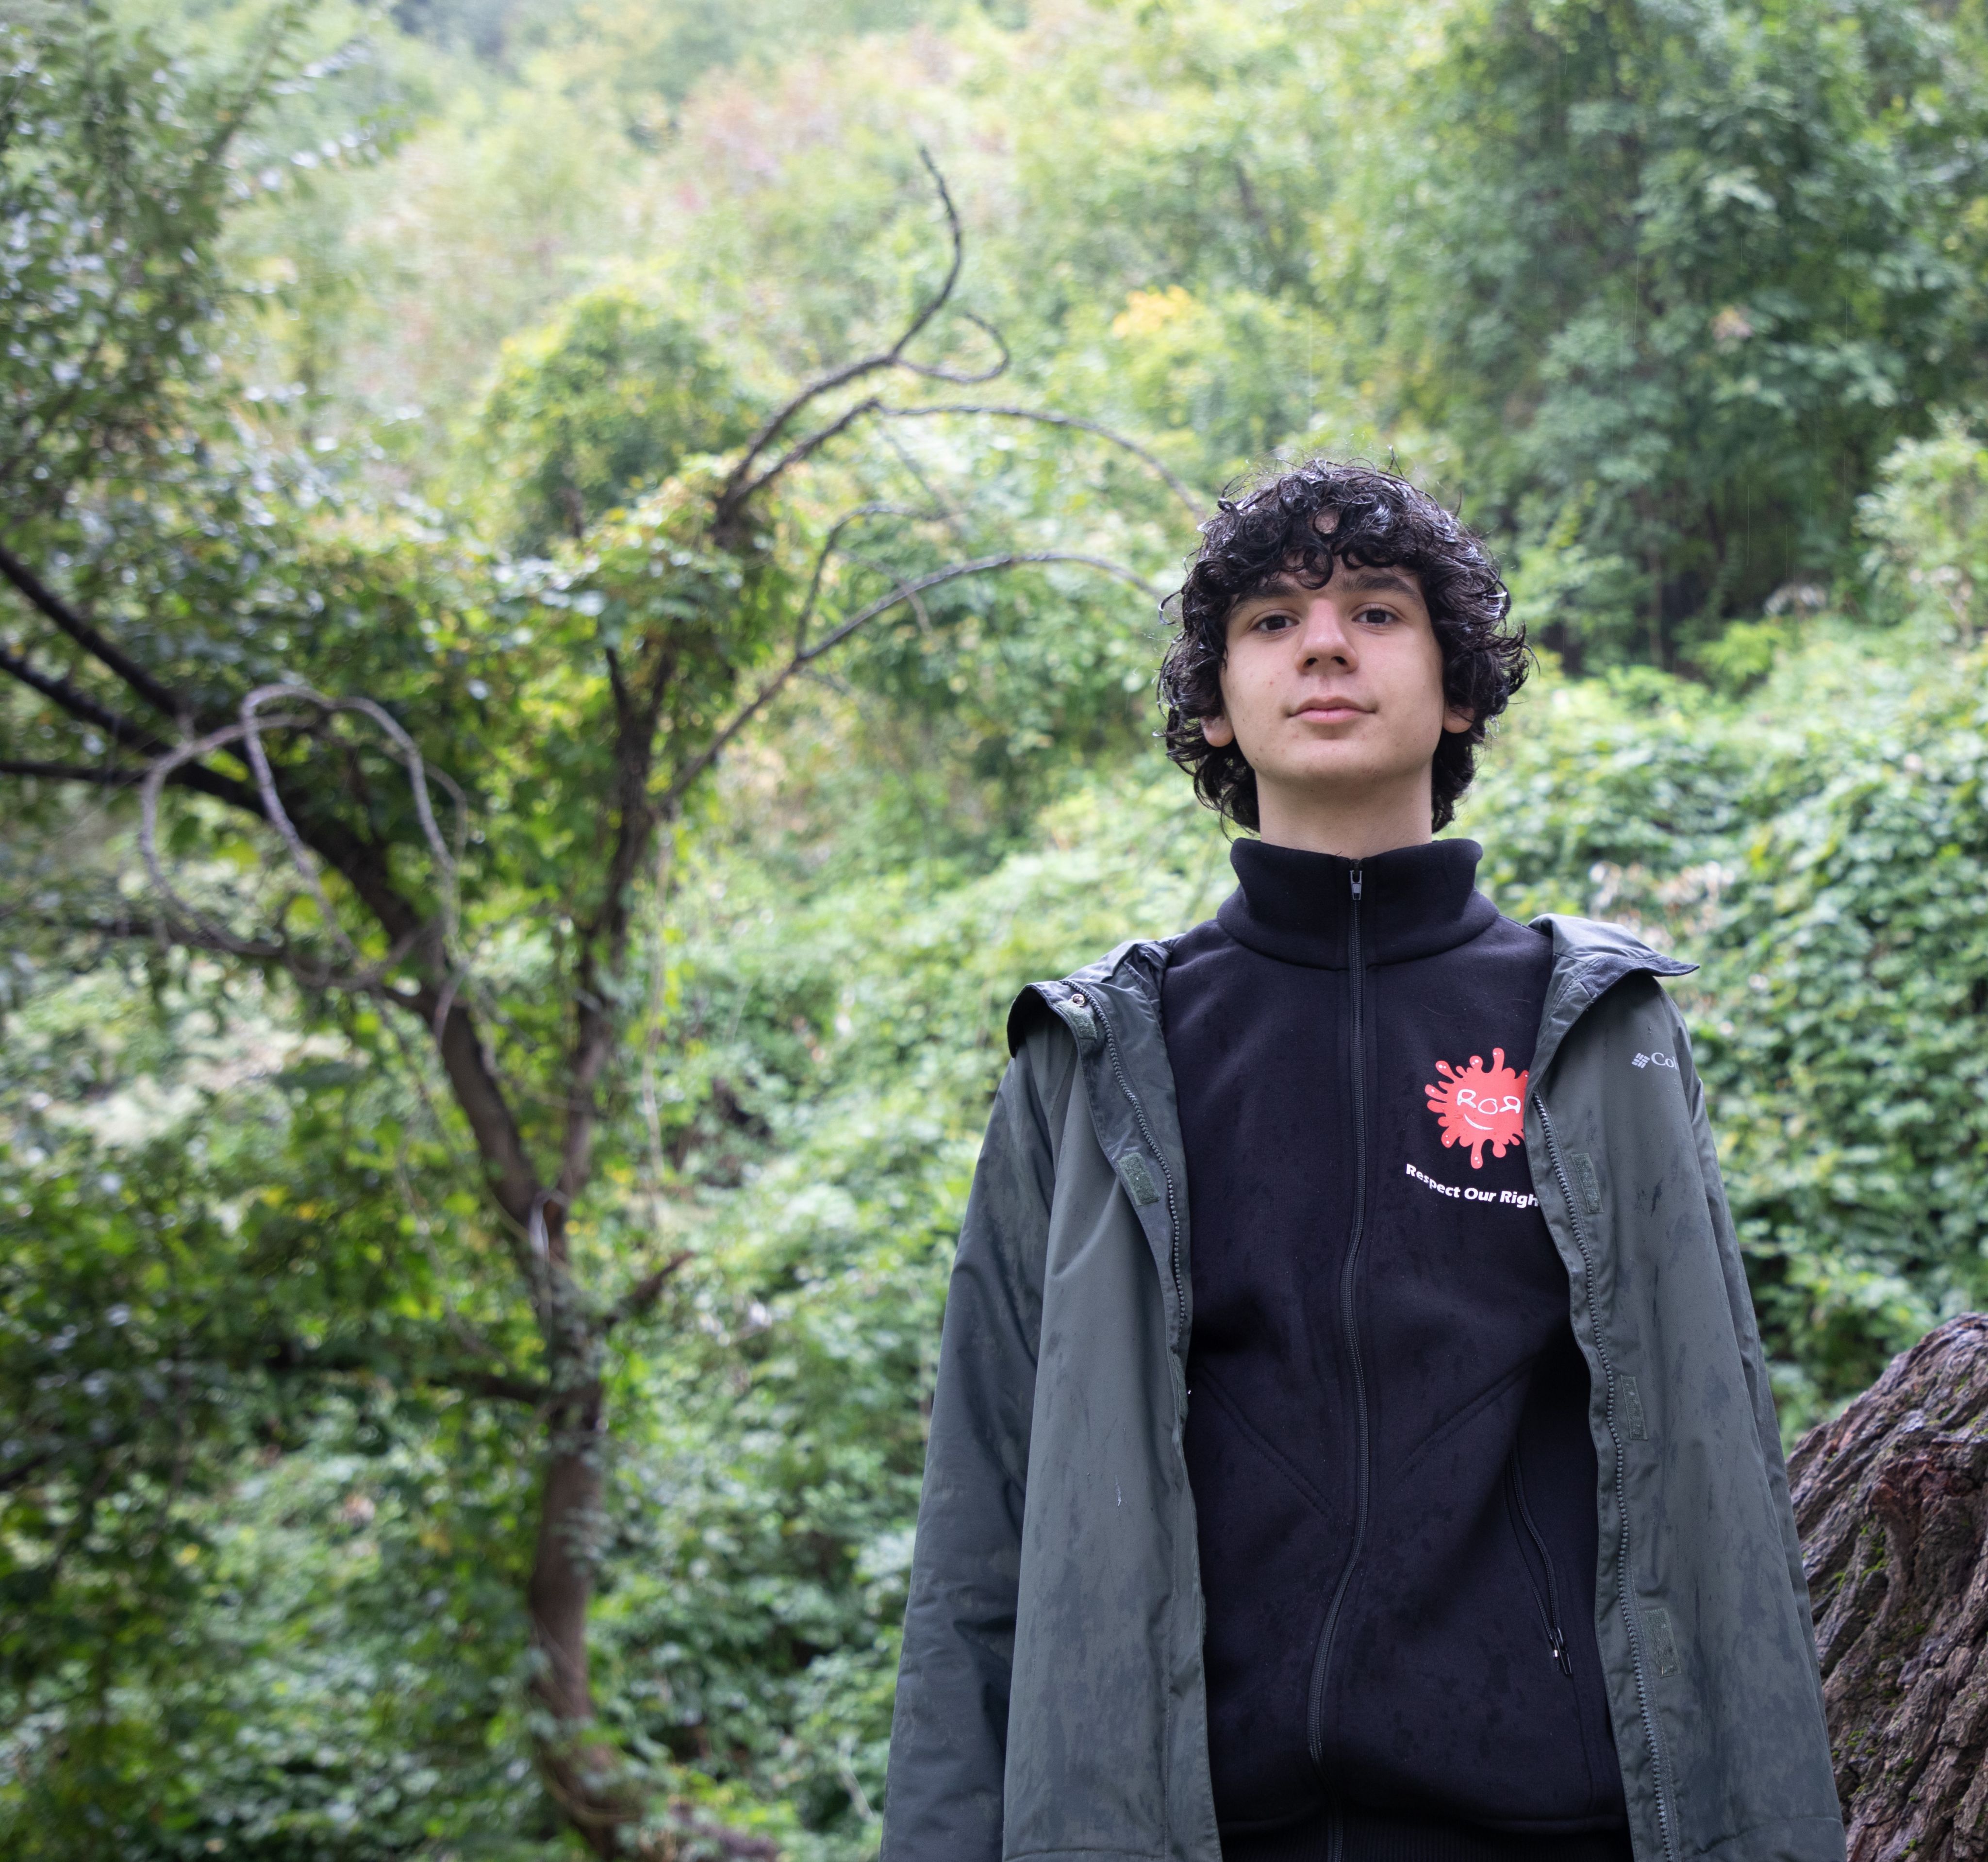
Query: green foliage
<point x="609" y="399"/>
<point x="1678" y="275"/>
<point x="1659" y="291"/>
<point x="649" y="57"/>
<point x="1928" y="517"/>
<point x="193" y="1562"/>
<point x="112" y="182"/>
<point x="1818" y="849"/>
<point x="1844" y="1045"/>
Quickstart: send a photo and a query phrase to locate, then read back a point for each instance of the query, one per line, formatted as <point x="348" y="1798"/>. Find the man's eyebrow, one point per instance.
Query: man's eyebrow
<point x="1370" y="581"/>
<point x="1276" y="589"/>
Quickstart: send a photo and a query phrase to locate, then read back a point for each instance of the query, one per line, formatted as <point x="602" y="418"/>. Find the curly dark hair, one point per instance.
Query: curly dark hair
<point x="1383" y="522"/>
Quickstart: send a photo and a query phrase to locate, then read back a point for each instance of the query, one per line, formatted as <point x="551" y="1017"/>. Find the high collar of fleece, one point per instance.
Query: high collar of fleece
<point x="1300" y="907"/>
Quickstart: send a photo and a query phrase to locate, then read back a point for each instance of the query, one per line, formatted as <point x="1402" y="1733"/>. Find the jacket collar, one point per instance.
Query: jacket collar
<point x="1590" y="958"/>
<point x="1298" y="906"/>
<point x="1112" y="1009"/>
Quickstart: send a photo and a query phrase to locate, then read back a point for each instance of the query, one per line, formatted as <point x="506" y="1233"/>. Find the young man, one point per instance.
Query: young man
<point x="1352" y="1442"/>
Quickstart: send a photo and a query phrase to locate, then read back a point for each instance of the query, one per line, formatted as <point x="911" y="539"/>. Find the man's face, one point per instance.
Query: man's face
<point x="1334" y="695"/>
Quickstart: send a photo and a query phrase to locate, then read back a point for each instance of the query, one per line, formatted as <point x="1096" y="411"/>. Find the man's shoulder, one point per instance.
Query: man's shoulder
<point x="1126" y="979"/>
<point x="1594" y="959"/>
<point x="1578" y="942"/>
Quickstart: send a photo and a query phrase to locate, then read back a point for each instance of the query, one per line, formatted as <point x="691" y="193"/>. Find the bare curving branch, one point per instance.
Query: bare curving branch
<point x="904" y="593"/>
<point x="403" y="749"/>
<point x="959" y="377"/>
<point x="748" y="478"/>
<point x="157" y="776"/>
<point x="405" y="928"/>
<point x="801" y="451"/>
<point x="1197" y="506"/>
<point x="91" y="772"/>
<point x="636" y="1302"/>
<point x="829" y="546"/>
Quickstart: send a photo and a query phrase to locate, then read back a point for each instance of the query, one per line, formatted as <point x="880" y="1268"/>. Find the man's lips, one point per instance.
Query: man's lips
<point x="1329" y="710"/>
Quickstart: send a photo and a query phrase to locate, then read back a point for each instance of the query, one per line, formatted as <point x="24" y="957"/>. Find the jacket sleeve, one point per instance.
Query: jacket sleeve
<point x="949" y="1735"/>
<point x="1745" y="1327"/>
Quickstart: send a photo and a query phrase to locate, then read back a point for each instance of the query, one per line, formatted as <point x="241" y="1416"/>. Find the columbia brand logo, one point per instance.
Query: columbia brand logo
<point x="1655" y="1060"/>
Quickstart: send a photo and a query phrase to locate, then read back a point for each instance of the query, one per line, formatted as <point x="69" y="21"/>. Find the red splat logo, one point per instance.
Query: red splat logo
<point x="1478" y="1108"/>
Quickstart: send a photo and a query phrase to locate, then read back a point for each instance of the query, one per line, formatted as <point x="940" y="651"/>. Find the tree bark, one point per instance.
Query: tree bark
<point x="1891" y="1500"/>
<point x="582" y="1770"/>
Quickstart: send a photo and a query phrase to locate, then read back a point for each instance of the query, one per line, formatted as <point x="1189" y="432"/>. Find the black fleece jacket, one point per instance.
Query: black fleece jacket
<point x="1386" y="1431"/>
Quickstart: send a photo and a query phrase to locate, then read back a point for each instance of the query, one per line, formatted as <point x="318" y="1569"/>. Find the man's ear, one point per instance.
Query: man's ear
<point x="1218" y="731"/>
<point x="1458" y="717"/>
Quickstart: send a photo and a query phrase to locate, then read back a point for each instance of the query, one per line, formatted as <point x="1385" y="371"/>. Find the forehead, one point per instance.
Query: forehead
<point x="1346" y="579"/>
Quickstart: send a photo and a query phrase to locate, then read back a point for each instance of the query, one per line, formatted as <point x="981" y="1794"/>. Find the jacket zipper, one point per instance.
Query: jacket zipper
<point x="1549" y="1599"/>
<point x="1322" y="1662"/>
<point x="1629" y="1619"/>
<point x="1159" y="1158"/>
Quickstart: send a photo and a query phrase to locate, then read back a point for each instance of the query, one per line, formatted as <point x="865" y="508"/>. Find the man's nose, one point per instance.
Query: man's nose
<point x="1325" y="639"/>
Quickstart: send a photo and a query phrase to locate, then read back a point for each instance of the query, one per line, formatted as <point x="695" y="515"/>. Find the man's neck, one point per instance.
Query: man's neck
<point x="1354" y="828"/>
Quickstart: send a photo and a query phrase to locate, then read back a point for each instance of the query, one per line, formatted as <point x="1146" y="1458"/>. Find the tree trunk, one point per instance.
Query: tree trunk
<point x="1892" y="1499"/>
<point x="583" y="1770"/>
<point x="586" y="1771"/>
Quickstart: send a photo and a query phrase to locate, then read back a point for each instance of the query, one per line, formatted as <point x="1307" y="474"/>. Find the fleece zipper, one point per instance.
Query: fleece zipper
<point x="1348" y="1282"/>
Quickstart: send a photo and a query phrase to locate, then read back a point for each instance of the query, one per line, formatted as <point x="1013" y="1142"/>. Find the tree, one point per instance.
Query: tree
<point x="1888" y="1498"/>
<point x="1672" y="278"/>
<point x="607" y="401"/>
<point x="428" y="795"/>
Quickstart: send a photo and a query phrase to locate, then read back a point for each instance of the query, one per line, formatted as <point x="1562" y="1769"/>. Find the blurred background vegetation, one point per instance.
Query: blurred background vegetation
<point x="447" y="316"/>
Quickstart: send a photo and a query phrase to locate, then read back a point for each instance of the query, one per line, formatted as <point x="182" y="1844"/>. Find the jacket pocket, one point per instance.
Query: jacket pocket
<point x="1537" y="1560"/>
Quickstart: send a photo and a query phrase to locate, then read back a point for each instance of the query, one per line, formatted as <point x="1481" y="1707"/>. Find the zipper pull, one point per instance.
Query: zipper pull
<point x="1359" y="880"/>
<point x="1558" y="1643"/>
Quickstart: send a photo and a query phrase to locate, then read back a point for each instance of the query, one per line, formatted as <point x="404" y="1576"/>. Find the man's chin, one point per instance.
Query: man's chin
<point x="1317" y="781"/>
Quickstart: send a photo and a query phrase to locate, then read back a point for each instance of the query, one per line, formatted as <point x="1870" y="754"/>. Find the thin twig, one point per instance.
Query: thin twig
<point x="157" y="777"/>
<point x="905" y="592"/>
<point x="827" y="550"/>
<point x="743" y="482"/>
<point x="1197" y="506"/>
<point x="408" y="753"/>
<point x="277" y="817"/>
<point x="643" y="1294"/>
<point x="943" y="511"/>
<point x="933" y="371"/>
<point x="801" y="450"/>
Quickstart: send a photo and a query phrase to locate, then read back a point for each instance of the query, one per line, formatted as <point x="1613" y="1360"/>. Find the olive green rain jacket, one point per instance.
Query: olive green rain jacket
<point x="1051" y="1703"/>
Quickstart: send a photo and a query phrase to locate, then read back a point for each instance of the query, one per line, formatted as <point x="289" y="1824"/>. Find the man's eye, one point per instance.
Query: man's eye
<point x="1376" y="615"/>
<point x="1275" y="623"/>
